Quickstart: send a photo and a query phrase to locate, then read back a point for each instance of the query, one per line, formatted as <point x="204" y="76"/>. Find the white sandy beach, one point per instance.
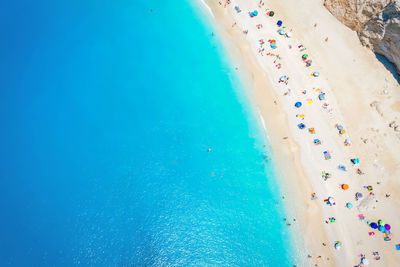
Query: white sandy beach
<point x="360" y="94"/>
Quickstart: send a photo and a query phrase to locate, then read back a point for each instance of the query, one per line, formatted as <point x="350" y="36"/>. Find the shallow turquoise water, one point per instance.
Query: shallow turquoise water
<point x="107" y="113"/>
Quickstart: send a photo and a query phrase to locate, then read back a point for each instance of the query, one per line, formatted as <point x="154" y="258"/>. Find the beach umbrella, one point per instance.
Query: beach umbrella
<point x="315" y="74"/>
<point x="345" y="186"/>
<point x="298" y="104"/>
<point x="331" y="200"/>
<point x="255" y="12"/>
<point x="339" y="127"/>
<point x="338" y="245"/>
<point x="387" y="227"/>
<point x="347" y="142"/>
<point x="382" y="228"/>
<point x="304" y="56"/>
<point x="271" y="13"/>
<point x="349" y="205"/>
<point x="364" y="261"/>
<point x="380" y="222"/>
<point x="342" y="167"/>
<point x="301" y="126"/>
<point x="279" y="23"/>
<point x="359" y="195"/>
<point x="374" y="225"/>
<point x="355" y="161"/>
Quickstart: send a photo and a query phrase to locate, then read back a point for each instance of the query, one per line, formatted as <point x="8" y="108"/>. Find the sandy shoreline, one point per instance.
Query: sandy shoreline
<point x="343" y="63"/>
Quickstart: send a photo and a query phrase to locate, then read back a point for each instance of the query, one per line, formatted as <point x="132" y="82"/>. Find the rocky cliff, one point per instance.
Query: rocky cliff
<point x="377" y="23"/>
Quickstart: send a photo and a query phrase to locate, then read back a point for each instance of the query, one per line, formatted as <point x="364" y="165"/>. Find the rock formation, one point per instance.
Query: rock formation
<point x="377" y="23"/>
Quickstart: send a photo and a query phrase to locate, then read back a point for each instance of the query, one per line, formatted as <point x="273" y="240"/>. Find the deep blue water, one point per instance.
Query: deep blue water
<point x="107" y="111"/>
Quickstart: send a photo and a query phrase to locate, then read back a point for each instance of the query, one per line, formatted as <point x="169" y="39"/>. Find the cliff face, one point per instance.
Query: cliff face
<point x="377" y="23"/>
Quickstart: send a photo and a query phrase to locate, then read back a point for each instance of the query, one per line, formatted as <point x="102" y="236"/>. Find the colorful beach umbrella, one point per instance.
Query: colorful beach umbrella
<point x="364" y="261"/>
<point x="301" y="126"/>
<point x="387" y="226"/>
<point x="374" y="225"/>
<point x="382" y="228"/>
<point x="338" y="245"/>
<point x="347" y="142"/>
<point x="298" y="104"/>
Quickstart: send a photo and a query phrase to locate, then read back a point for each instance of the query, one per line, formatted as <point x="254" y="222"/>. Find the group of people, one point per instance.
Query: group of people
<point x="284" y="79"/>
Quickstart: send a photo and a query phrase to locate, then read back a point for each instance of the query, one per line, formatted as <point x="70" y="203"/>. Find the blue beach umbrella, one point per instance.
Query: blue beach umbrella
<point x="338" y="245"/>
<point x="279" y="23"/>
<point x="298" y="104"/>
<point x="374" y="225"/>
<point x="301" y="126"/>
<point x="382" y="228"/>
<point x="349" y="205"/>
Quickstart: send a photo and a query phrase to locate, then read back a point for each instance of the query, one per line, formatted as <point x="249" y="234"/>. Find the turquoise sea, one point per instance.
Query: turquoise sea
<point x="107" y="112"/>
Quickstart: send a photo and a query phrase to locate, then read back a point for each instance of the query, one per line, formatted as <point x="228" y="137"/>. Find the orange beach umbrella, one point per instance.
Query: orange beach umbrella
<point x="345" y="186"/>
